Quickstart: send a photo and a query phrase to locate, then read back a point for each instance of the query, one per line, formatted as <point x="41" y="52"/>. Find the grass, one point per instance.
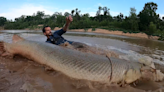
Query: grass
<point x="93" y="29"/>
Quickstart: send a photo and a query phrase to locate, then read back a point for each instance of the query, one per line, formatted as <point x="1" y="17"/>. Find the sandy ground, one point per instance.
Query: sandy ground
<point x="104" y="31"/>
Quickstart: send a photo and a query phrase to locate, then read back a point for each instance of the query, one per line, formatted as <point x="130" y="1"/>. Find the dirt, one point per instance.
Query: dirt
<point x="19" y="74"/>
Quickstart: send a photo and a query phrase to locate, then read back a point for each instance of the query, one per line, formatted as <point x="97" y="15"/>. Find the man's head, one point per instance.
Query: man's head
<point x="47" y="31"/>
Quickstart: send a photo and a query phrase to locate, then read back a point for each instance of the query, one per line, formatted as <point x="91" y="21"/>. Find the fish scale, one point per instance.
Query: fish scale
<point x="73" y="63"/>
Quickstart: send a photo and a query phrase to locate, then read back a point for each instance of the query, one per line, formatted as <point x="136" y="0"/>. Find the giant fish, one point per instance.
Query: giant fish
<point x="76" y="64"/>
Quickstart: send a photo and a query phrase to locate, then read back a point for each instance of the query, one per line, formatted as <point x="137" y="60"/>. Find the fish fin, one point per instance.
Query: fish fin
<point x="17" y="38"/>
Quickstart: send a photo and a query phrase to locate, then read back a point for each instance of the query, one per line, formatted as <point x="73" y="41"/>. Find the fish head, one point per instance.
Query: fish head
<point x="149" y="73"/>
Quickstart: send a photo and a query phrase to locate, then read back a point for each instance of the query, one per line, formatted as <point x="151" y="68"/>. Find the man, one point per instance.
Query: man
<point x="56" y="38"/>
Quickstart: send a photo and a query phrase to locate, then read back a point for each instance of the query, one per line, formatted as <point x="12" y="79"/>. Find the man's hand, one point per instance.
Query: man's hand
<point x="69" y="19"/>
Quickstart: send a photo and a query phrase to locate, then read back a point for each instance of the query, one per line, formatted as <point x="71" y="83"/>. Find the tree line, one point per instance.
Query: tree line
<point x="147" y="21"/>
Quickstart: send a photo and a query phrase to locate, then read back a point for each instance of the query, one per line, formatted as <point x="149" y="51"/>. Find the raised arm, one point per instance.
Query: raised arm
<point x="69" y="19"/>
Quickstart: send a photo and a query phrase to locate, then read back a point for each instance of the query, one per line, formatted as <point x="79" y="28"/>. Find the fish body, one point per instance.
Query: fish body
<point x="76" y="64"/>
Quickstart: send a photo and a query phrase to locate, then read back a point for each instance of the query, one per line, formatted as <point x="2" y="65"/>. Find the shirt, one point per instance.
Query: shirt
<point x="56" y="38"/>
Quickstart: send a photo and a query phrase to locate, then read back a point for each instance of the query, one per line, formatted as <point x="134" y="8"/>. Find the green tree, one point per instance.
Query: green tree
<point x="40" y="14"/>
<point x="133" y="20"/>
<point x="98" y="14"/>
<point x="20" y="19"/>
<point x="72" y="12"/>
<point x="151" y="29"/>
<point x="66" y="14"/>
<point x="106" y="11"/>
<point x="131" y="23"/>
<point x="119" y="17"/>
<point x="76" y="16"/>
<point x="86" y="15"/>
<point x="2" y="21"/>
<point x="147" y="15"/>
<point x="77" y="12"/>
<point x="99" y="11"/>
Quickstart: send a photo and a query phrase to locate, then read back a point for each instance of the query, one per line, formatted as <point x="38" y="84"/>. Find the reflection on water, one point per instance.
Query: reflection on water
<point x="153" y="44"/>
<point x="152" y="48"/>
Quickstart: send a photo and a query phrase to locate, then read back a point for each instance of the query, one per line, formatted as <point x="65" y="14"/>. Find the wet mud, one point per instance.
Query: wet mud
<point x="19" y="74"/>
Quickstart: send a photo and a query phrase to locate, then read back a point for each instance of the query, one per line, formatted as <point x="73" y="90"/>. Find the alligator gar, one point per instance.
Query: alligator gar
<point x="76" y="64"/>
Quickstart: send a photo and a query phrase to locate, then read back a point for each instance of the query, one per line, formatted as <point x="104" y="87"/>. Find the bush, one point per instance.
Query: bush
<point x="151" y="29"/>
<point x="93" y="29"/>
<point x="160" y="34"/>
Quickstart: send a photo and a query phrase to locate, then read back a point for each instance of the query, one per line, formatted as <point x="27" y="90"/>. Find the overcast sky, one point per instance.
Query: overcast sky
<point x="12" y="9"/>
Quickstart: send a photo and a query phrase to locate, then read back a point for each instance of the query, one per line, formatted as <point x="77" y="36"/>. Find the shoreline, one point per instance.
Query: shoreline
<point x="104" y="31"/>
<point x="121" y="33"/>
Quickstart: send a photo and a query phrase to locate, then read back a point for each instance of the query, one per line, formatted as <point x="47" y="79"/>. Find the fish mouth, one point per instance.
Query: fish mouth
<point x="148" y="73"/>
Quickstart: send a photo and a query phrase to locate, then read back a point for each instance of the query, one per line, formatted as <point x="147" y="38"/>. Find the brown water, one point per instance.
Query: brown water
<point x="19" y="74"/>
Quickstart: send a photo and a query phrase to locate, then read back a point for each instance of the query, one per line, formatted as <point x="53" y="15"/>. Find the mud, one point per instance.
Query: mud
<point x="19" y="74"/>
<point x="22" y="75"/>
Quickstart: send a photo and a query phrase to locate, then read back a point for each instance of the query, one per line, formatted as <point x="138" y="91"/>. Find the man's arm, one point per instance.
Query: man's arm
<point x="65" y="27"/>
<point x="59" y="32"/>
<point x="69" y="19"/>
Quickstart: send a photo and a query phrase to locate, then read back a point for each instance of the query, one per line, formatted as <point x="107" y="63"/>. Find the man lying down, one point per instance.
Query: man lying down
<point x="57" y="39"/>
